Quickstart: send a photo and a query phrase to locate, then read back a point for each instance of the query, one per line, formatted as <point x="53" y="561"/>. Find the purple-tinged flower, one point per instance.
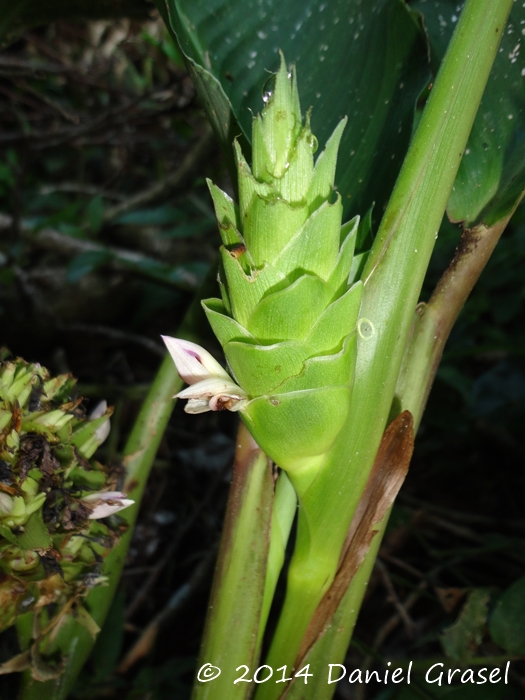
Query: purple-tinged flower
<point x="211" y="387"/>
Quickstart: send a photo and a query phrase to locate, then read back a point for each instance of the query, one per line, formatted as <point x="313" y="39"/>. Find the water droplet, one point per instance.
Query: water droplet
<point x="262" y="35"/>
<point x="253" y="54"/>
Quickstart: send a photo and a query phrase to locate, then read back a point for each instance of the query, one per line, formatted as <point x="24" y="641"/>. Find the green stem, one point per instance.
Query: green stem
<point x="284" y="509"/>
<point x="393" y="278"/>
<point x="434" y="321"/>
<point x="231" y="637"/>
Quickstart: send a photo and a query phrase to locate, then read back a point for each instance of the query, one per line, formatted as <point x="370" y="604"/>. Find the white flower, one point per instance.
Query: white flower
<point x="103" y="430"/>
<point x="106" y="503"/>
<point x="211" y="387"/>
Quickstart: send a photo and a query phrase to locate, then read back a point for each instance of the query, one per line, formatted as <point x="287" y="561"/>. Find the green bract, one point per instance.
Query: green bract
<point x="289" y="308"/>
<point x="51" y="494"/>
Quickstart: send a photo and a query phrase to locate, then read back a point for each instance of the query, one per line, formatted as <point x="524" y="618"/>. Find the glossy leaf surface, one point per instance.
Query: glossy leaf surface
<point x="491" y="177"/>
<point x="340" y="48"/>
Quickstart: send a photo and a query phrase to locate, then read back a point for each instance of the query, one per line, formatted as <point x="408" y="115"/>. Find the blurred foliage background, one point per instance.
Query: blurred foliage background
<point x="106" y="233"/>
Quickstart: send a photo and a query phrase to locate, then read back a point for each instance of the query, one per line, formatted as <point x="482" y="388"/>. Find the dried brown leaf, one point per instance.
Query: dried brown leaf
<point x="385" y="480"/>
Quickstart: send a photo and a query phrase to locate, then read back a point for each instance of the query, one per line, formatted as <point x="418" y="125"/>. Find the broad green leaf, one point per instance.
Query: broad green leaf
<point x="507" y="622"/>
<point x="491" y="177"/>
<point x="341" y="49"/>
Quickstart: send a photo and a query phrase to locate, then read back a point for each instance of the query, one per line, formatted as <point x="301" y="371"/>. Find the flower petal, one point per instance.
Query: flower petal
<point x="211" y="387"/>
<point x="213" y="395"/>
<point x="193" y="362"/>
<point x="107" y="503"/>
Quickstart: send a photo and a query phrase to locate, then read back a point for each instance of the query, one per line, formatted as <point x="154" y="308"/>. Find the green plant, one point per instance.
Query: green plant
<point x="383" y="349"/>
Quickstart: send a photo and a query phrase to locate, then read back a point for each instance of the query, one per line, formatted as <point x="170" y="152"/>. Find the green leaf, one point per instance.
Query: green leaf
<point x="491" y="177"/>
<point x="108" y="646"/>
<point x="85" y="263"/>
<point x="95" y="213"/>
<point x="155" y="216"/>
<point x="461" y="640"/>
<point x="340" y="48"/>
<point x="35" y="534"/>
<point x="507" y="622"/>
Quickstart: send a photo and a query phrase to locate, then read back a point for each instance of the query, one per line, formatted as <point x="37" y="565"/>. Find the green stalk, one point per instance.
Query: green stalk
<point x="393" y="278"/>
<point x="434" y="321"/>
<point x="231" y="635"/>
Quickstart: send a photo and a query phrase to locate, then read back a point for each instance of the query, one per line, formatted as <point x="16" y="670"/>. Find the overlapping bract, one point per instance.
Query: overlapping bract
<point x="51" y="494"/>
<point x="288" y="312"/>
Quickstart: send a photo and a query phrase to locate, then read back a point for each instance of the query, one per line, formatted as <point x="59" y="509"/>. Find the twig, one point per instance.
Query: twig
<point x="401" y="564"/>
<point x="55" y="137"/>
<point x="116" y="334"/>
<point x="144" y="590"/>
<point x="387" y="629"/>
<point x="394" y="599"/>
<point x="32" y="66"/>
<point x="48" y="101"/>
<point x="459" y="516"/>
<point x="170" y="182"/>
<point x="119" y="258"/>
<point x="80" y="188"/>
<point x="145" y="642"/>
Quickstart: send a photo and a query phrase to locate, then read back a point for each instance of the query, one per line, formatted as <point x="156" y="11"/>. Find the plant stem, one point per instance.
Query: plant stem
<point x="393" y="278"/>
<point x="231" y="637"/>
<point x="434" y="321"/>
